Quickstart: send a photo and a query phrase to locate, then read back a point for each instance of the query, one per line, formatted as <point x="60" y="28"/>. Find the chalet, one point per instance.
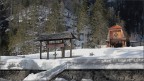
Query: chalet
<point x="117" y="37"/>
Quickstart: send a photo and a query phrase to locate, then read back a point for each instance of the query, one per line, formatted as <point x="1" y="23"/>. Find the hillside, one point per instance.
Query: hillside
<point x="22" y="21"/>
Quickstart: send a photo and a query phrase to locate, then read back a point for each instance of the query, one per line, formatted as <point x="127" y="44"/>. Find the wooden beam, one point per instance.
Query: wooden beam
<point x="125" y="43"/>
<point x="40" y="49"/>
<point x="63" y="50"/>
<point x="71" y="48"/>
<point x="47" y="50"/>
<point x="53" y="45"/>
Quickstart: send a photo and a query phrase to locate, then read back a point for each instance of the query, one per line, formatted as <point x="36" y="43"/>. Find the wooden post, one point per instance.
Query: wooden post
<point x="55" y="50"/>
<point x="40" y="49"/>
<point x="71" y="48"/>
<point x="110" y="43"/>
<point x="125" y="43"/>
<point x="63" y="50"/>
<point x="47" y="50"/>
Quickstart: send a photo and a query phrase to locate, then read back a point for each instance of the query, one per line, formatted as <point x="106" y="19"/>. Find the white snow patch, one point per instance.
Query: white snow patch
<point x="60" y="79"/>
<point x="46" y="75"/>
<point x="1" y="79"/>
<point x="86" y="80"/>
<point x="32" y="61"/>
<point x="82" y="59"/>
<point x="5" y="58"/>
<point x="20" y="64"/>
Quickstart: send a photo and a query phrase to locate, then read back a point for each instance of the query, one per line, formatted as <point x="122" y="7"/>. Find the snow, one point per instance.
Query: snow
<point x="1" y="79"/>
<point x="32" y="61"/>
<point x="46" y="75"/>
<point x="20" y="64"/>
<point x="5" y="58"/>
<point x="60" y="79"/>
<point x="32" y="64"/>
<point x="99" y="58"/>
<point x="86" y="80"/>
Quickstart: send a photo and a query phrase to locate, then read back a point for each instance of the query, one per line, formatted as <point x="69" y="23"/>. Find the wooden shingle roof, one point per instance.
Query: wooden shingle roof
<point x="115" y="27"/>
<point x="57" y="36"/>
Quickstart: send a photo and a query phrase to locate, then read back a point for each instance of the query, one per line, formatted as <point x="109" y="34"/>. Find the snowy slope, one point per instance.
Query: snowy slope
<point x="32" y="61"/>
<point x="101" y="53"/>
<point x="102" y="58"/>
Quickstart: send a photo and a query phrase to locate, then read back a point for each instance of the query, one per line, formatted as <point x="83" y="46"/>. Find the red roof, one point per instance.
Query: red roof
<point x="116" y="27"/>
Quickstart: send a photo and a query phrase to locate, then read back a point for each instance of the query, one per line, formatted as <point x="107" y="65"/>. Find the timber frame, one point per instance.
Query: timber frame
<point x="51" y="42"/>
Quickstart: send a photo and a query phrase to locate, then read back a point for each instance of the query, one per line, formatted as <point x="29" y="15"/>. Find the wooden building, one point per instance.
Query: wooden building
<point x="54" y="41"/>
<point x="117" y="37"/>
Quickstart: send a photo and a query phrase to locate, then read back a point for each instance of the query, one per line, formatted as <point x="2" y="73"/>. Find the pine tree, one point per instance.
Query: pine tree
<point x="17" y="29"/>
<point x="119" y="21"/>
<point x="111" y="16"/>
<point x="55" y="21"/>
<point x="114" y="19"/>
<point x="99" y="23"/>
<point x="82" y="19"/>
<point x="4" y="13"/>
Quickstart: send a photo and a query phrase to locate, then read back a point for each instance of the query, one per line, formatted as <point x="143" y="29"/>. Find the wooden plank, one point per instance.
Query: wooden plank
<point x="47" y="50"/>
<point x="55" y="45"/>
<point x="63" y="50"/>
<point x="71" y="48"/>
<point x="55" y="49"/>
<point x="40" y="49"/>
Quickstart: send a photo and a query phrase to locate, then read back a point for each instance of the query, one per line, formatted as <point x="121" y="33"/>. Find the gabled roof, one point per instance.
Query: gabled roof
<point x="116" y="27"/>
<point x="57" y="36"/>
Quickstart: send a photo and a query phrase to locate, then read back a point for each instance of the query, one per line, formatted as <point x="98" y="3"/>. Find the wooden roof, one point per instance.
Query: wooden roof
<point x="57" y="36"/>
<point x="116" y="27"/>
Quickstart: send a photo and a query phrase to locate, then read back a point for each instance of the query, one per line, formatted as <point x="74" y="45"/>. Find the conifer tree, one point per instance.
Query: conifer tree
<point x="17" y="30"/>
<point x="82" y="19"/>
<point x="55" y="21"/>
<point x="4" y="7"/>
<point x="99" y="23"/>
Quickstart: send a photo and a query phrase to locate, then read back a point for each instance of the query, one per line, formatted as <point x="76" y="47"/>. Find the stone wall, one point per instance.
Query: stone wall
<point x="78" y="75"/>
<point x="16" y="75"/>
<point x="102" y="75"/>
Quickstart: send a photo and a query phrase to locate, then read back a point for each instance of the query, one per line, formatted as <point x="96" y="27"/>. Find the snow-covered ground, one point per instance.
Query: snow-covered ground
<point x="100" y="58"/>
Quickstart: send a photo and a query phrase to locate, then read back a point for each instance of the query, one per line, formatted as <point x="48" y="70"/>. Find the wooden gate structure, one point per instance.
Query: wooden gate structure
<point x="56" y="40"/>
<point x="117" y="37"/>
